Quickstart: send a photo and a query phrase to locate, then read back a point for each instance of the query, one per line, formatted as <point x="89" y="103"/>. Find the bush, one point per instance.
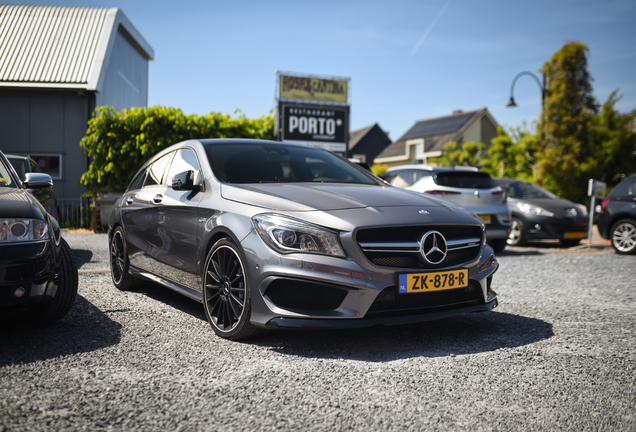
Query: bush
<point x="119" y="143"/>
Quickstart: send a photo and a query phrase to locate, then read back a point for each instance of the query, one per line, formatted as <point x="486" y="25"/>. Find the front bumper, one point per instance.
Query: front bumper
<point x="550" y="228"/>
<point x="326" y="292"/>
<point x="29" y="268"/>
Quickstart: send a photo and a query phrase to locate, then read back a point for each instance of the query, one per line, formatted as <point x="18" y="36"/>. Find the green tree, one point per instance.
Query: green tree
<point x="615" y="141"/>
<point x="511" y="155"/>
<point x="565" y="152"/>
<point x="469" y="154"/>
<point x="119" y="143"/>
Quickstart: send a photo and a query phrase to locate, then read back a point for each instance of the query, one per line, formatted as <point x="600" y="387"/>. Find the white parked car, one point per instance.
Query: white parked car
<point x="467" y="186"/>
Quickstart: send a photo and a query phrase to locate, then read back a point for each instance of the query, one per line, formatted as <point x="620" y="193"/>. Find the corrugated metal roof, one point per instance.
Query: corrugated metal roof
<point x="49" y="44"/>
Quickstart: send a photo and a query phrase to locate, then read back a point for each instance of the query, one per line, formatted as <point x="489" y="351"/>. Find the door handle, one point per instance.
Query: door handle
<point x="157" y="199"/>
<point x="129" y="200"/>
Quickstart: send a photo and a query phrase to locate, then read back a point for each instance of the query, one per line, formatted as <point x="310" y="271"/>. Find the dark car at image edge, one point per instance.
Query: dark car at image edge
<point x="617" y="219"/>
<point x="38" y="273"/>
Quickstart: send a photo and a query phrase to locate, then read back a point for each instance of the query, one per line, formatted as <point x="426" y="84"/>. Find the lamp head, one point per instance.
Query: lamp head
<point x="511" y="103"/>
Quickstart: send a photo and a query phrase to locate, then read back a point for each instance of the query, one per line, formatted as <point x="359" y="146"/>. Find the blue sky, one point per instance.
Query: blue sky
<point x="407" y="60"/>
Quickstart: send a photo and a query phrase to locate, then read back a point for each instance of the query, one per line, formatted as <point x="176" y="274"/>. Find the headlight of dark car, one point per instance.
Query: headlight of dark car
<point x="286" y="235"/>
<point x="534" y="210"/>
<point x="21" y="230"/>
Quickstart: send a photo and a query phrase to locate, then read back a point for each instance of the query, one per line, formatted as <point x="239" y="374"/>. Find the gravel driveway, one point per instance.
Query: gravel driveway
<point x="558" y="354"/>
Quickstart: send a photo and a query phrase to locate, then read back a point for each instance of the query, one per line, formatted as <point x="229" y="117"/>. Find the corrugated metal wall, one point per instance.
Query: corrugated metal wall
<point x="48" y="44"/>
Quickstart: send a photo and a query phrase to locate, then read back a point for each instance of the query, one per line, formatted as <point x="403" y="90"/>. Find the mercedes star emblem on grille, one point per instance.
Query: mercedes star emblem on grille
<point x="433" y="247"/>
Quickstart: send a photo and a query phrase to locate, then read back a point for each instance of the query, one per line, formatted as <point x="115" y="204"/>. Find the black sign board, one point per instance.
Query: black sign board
<point x="317" y="126"/>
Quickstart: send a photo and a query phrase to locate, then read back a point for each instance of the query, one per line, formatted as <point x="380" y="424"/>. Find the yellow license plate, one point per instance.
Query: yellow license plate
<point x="433" y="281"/>
<point x="485" y="218"/>
<point x="574" y="235"/>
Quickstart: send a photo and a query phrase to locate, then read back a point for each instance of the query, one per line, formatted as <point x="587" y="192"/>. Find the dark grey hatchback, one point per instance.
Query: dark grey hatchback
<point x="38" y="273"/>
<point x="269" y="235"/>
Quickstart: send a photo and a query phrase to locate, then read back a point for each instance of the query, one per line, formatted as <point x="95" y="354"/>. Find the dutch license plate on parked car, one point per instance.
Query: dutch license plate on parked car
<point x="433" y="281"/>
<point x="485" y="218"/>
<point x="574" y="235"/>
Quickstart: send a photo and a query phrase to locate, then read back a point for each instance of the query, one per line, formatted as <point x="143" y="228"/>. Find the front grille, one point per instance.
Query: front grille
<point x="389" y="300"/>
<point x="399" y="246"/>
<point x="303" y="295"/>
<point x="569" y="225"/>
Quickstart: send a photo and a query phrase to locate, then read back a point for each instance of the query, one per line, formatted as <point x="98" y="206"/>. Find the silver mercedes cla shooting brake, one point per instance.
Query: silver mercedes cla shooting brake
<point x="269" y="235"/>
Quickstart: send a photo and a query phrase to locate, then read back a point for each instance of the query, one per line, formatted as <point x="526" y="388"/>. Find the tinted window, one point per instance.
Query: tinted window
<point x="272" y="163"/>
<point x="34" y="167"/>
<point x="463" y="179"/>
<point x="5" y="178"/>
<point x="184" y="160"/>
<point x="154" y="174"/>
<point x="20" y="166"/>
<point x="137" y="181"/>
<point x="518" y="189"/>
<point x="626" y="187"/>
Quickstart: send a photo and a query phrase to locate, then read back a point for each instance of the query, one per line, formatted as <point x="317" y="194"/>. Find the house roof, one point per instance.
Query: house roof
<point x="436" y="132"/>
<point x="61" y="47"/>
<point x="356" y="136"/>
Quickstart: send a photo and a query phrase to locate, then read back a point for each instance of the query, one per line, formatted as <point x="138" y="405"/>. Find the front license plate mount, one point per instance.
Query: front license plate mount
<point x="432" y="281"/>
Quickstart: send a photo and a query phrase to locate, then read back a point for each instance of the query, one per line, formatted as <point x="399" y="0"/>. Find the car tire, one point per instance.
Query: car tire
<point x="516" y="236"/>
<point x="226" y="292"/>
<point x="66" y="290"/>
<point x="623" y="236"/>
<point x="119" y="263"/>
<point x="497" y="245"/>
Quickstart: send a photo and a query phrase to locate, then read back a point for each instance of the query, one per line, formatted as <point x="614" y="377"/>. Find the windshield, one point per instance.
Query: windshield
<point x="520" y="189"/>
<point x="5" y="178"/>
<point x="463" y="179"/>
<point x="279" y="163"/>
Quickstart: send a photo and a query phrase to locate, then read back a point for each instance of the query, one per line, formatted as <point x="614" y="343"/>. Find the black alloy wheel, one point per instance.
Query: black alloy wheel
<point x="516" y="236"/>
<point x="119" y="263"/>
<point x="623" y="235"/>
<point x="226" y="292"/>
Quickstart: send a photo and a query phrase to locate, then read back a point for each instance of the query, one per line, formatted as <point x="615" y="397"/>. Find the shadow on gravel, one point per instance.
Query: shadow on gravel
<point x="463" y="334"/>
<point x="82" y="256"/>
<point x="84" y="329"/>
<point x="171" y="298"/>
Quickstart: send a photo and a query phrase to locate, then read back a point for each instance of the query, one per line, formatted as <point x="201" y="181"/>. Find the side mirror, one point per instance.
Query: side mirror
<point x="37" y="180"/>
<point x="184" y="181"/>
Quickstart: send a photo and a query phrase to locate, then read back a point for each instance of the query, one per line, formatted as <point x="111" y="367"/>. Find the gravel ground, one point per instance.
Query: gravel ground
<point x="558" y="354"/>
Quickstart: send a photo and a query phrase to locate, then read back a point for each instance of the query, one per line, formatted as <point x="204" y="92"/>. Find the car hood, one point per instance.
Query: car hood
<point x="324" y="197"/>
<point x="554" y="205"/>
<point x="16" y="203"/>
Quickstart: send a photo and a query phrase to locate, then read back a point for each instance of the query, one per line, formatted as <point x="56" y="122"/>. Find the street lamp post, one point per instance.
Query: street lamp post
<point x="512" y="103"/>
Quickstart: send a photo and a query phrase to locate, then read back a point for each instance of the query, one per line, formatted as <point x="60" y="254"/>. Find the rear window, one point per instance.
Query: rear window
<point x="626" y="187"/>
<point x="466" y="180"/>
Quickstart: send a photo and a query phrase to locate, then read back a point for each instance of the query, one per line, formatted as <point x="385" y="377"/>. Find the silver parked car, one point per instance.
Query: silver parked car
<point x="270" y="235"/>
<point x="466" y="186"/>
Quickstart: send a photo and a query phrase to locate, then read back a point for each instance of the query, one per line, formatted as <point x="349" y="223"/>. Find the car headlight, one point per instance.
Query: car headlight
<point x="286" y="235"/>
<point x="20" y="230"/>
<point x="534" y="210"/>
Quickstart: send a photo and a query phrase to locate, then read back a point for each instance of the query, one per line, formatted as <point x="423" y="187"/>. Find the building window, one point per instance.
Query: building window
<point x="50" y="164"/>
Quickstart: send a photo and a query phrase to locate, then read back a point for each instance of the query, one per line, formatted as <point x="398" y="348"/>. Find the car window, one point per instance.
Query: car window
<point x="184" y="160"/>
<point x="405" y="177"/>
<point x="19" y="165"/>
<point x="463" y="179"/>
<point x="5" y="178"/>
<point x="520" y="189"/>
<point x="625" y="187"/>
<point x="154" y="174"/>
<point x="270" y="163"/>
<point x="34" y="166"/>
